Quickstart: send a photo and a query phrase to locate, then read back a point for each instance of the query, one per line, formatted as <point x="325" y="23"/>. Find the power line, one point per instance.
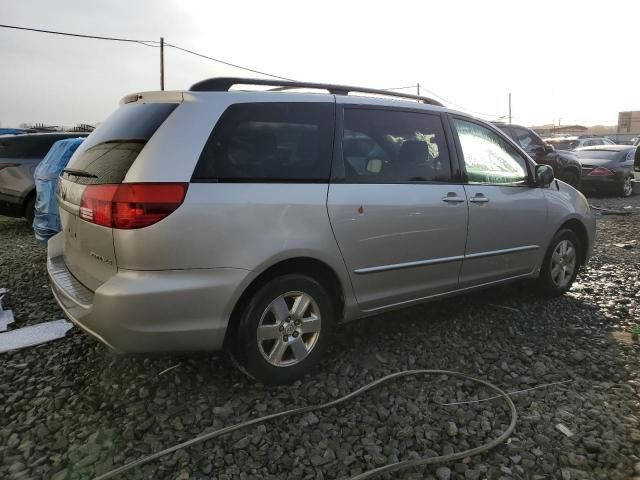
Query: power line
<point x="226" y="63"/>
<point x="147" y="43"/>
<point x="79" y="35"/>
<point x="400" y="88"/>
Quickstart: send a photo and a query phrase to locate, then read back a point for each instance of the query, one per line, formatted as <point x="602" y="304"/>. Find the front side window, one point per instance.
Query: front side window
<point x="489" y="158"/>
<point x="270" y="142"/>
<point x="384" y="146"/>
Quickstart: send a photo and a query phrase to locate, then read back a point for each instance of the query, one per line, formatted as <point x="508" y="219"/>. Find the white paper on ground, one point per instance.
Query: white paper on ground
<point x="33" y="335"/>
<point x="6" y="316"/>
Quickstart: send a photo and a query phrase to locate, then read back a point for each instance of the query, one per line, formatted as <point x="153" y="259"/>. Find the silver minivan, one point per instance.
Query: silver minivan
<point x="257" y="220"/>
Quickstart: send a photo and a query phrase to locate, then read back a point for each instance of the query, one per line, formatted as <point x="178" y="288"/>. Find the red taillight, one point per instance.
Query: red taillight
<point x="601" y="172"/>
<point x="130" y="205"/>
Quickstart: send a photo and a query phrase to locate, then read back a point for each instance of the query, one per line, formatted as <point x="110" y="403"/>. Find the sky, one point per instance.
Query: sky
<point x="563" y="61"/>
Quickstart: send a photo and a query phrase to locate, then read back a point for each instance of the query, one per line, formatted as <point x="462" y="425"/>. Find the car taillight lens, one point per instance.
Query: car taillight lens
<point x="131" y="205"/>
<point x="601" y="172"/>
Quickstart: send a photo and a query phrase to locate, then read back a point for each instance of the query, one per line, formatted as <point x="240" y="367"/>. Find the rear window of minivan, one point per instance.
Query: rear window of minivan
<point x="269" y="142"/>
<point x="110" y="151"/>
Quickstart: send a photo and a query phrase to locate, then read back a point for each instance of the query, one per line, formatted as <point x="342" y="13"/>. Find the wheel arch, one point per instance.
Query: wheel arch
<point x="577" y="227"/>
<point x="309" y="266"/>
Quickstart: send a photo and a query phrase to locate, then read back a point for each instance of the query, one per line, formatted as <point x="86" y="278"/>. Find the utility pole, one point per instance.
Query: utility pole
<point x="418" y="88"/>
<point x="509" y="108"/>
<point x="161" y="63"/>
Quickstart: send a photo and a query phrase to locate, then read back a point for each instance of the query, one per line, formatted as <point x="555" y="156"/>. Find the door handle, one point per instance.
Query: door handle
<point x="452" y="197"/>
<point x="479" y="198"/>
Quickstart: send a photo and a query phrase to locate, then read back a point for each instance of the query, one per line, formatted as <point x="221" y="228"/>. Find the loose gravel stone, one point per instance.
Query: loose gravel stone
<point x="71" y="409"/>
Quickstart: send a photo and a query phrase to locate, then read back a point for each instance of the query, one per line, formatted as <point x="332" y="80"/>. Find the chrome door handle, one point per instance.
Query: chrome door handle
<point x="479" y="199"/>
<point x="453" y="198"/>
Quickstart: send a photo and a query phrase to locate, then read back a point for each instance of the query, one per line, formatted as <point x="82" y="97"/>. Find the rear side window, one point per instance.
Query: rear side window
<point x="36" y="146"/>
<point x="383" y="146"/>
<point x="269" y="142"/>
<point x="109" y="152"/>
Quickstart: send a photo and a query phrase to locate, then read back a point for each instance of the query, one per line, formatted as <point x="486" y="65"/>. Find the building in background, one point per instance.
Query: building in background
<point x="560" y="131"/>
<point x="629" y="122"/>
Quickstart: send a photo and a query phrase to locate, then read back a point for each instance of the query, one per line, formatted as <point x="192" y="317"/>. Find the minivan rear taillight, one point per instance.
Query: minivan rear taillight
<point x="130" y="205"/>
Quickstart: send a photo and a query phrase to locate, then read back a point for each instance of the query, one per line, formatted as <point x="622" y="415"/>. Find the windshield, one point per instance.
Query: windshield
<point x="563" y="144"/>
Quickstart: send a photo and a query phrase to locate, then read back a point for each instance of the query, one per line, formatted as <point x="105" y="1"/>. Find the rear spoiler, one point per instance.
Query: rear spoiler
<point x="173" y="96"/>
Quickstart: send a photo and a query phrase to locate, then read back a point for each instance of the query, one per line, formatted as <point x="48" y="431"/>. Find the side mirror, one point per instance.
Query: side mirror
<point x="548" y="148"/>
<point x="544" y="175"/>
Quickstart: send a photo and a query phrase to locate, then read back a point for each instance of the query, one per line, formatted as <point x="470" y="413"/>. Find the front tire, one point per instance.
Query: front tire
<point x="285" y="329"/>
<point x="561" y="263"/>
<point x="572" y="178"/>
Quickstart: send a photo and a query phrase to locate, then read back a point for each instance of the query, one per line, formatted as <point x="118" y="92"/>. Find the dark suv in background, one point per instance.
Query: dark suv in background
<point x="565" y="164"/>
<point x="19" y="156"/>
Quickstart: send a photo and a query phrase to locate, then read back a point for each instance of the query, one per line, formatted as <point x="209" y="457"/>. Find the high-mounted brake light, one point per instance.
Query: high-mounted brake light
<point x="131" y="205"/>
<point x="601" y="172"/>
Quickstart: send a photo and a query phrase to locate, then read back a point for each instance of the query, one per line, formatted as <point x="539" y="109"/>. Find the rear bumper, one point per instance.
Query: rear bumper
<point x="150" y="311"/>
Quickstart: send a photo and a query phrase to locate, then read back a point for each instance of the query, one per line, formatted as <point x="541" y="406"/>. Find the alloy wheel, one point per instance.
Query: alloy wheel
<point x="563" y="263"/>
<point x="627" y="187"/>
<point x="288" y="329"/>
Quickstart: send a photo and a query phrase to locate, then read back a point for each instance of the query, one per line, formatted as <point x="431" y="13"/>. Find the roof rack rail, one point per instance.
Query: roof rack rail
<point x="223" y="84"/>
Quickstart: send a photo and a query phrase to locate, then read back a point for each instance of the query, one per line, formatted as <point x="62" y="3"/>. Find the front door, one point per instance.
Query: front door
<point x="507" y="211"/>
<point x="398" y="219"/>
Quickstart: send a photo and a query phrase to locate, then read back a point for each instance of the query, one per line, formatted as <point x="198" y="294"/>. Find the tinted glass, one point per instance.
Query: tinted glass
<point x="488" y="157"/>
<point x="564" y="144"/>
<point x="383" y="146"/>
<point x="110" y="151"/>
<point x="133" y="121"/>
<point x="29" y="146"/>
<point x="270" y="142"/>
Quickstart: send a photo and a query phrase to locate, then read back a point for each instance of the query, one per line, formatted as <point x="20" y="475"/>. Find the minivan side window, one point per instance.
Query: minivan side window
<point x="385" y="146"/>
<point x="270" y="142"/>
<point x="489" y="158"/>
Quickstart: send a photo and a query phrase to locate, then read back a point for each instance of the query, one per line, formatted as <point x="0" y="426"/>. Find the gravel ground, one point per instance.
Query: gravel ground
<point x="71" y="409"/>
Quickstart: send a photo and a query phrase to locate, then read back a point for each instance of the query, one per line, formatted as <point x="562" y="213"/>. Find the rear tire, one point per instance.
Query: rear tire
<point x="285" y="329"/>
<point x="561" y="263"/>
<point x="572" y="178"/>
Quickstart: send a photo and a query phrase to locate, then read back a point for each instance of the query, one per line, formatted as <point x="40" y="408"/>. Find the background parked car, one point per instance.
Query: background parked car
<point x="19" y="155"/>
<point x="565" y="165"/>
<point x="47" y="218"/>
<point x="608" y="168"/>
<point x="572" y="143"/>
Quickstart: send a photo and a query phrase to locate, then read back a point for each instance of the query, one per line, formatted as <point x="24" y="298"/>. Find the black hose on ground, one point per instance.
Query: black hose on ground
<point x="393" y="467"/>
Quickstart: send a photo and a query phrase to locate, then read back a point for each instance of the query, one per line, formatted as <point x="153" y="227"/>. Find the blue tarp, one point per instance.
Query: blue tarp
<point x="12" y="131"/>
<point x="46" y="222"/>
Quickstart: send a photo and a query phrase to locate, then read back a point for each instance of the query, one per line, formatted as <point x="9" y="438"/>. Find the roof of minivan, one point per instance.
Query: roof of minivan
<point x="224" y="84"/>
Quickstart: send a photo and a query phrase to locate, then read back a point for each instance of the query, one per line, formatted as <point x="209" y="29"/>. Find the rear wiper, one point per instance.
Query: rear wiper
<point x="79" y="173"/>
